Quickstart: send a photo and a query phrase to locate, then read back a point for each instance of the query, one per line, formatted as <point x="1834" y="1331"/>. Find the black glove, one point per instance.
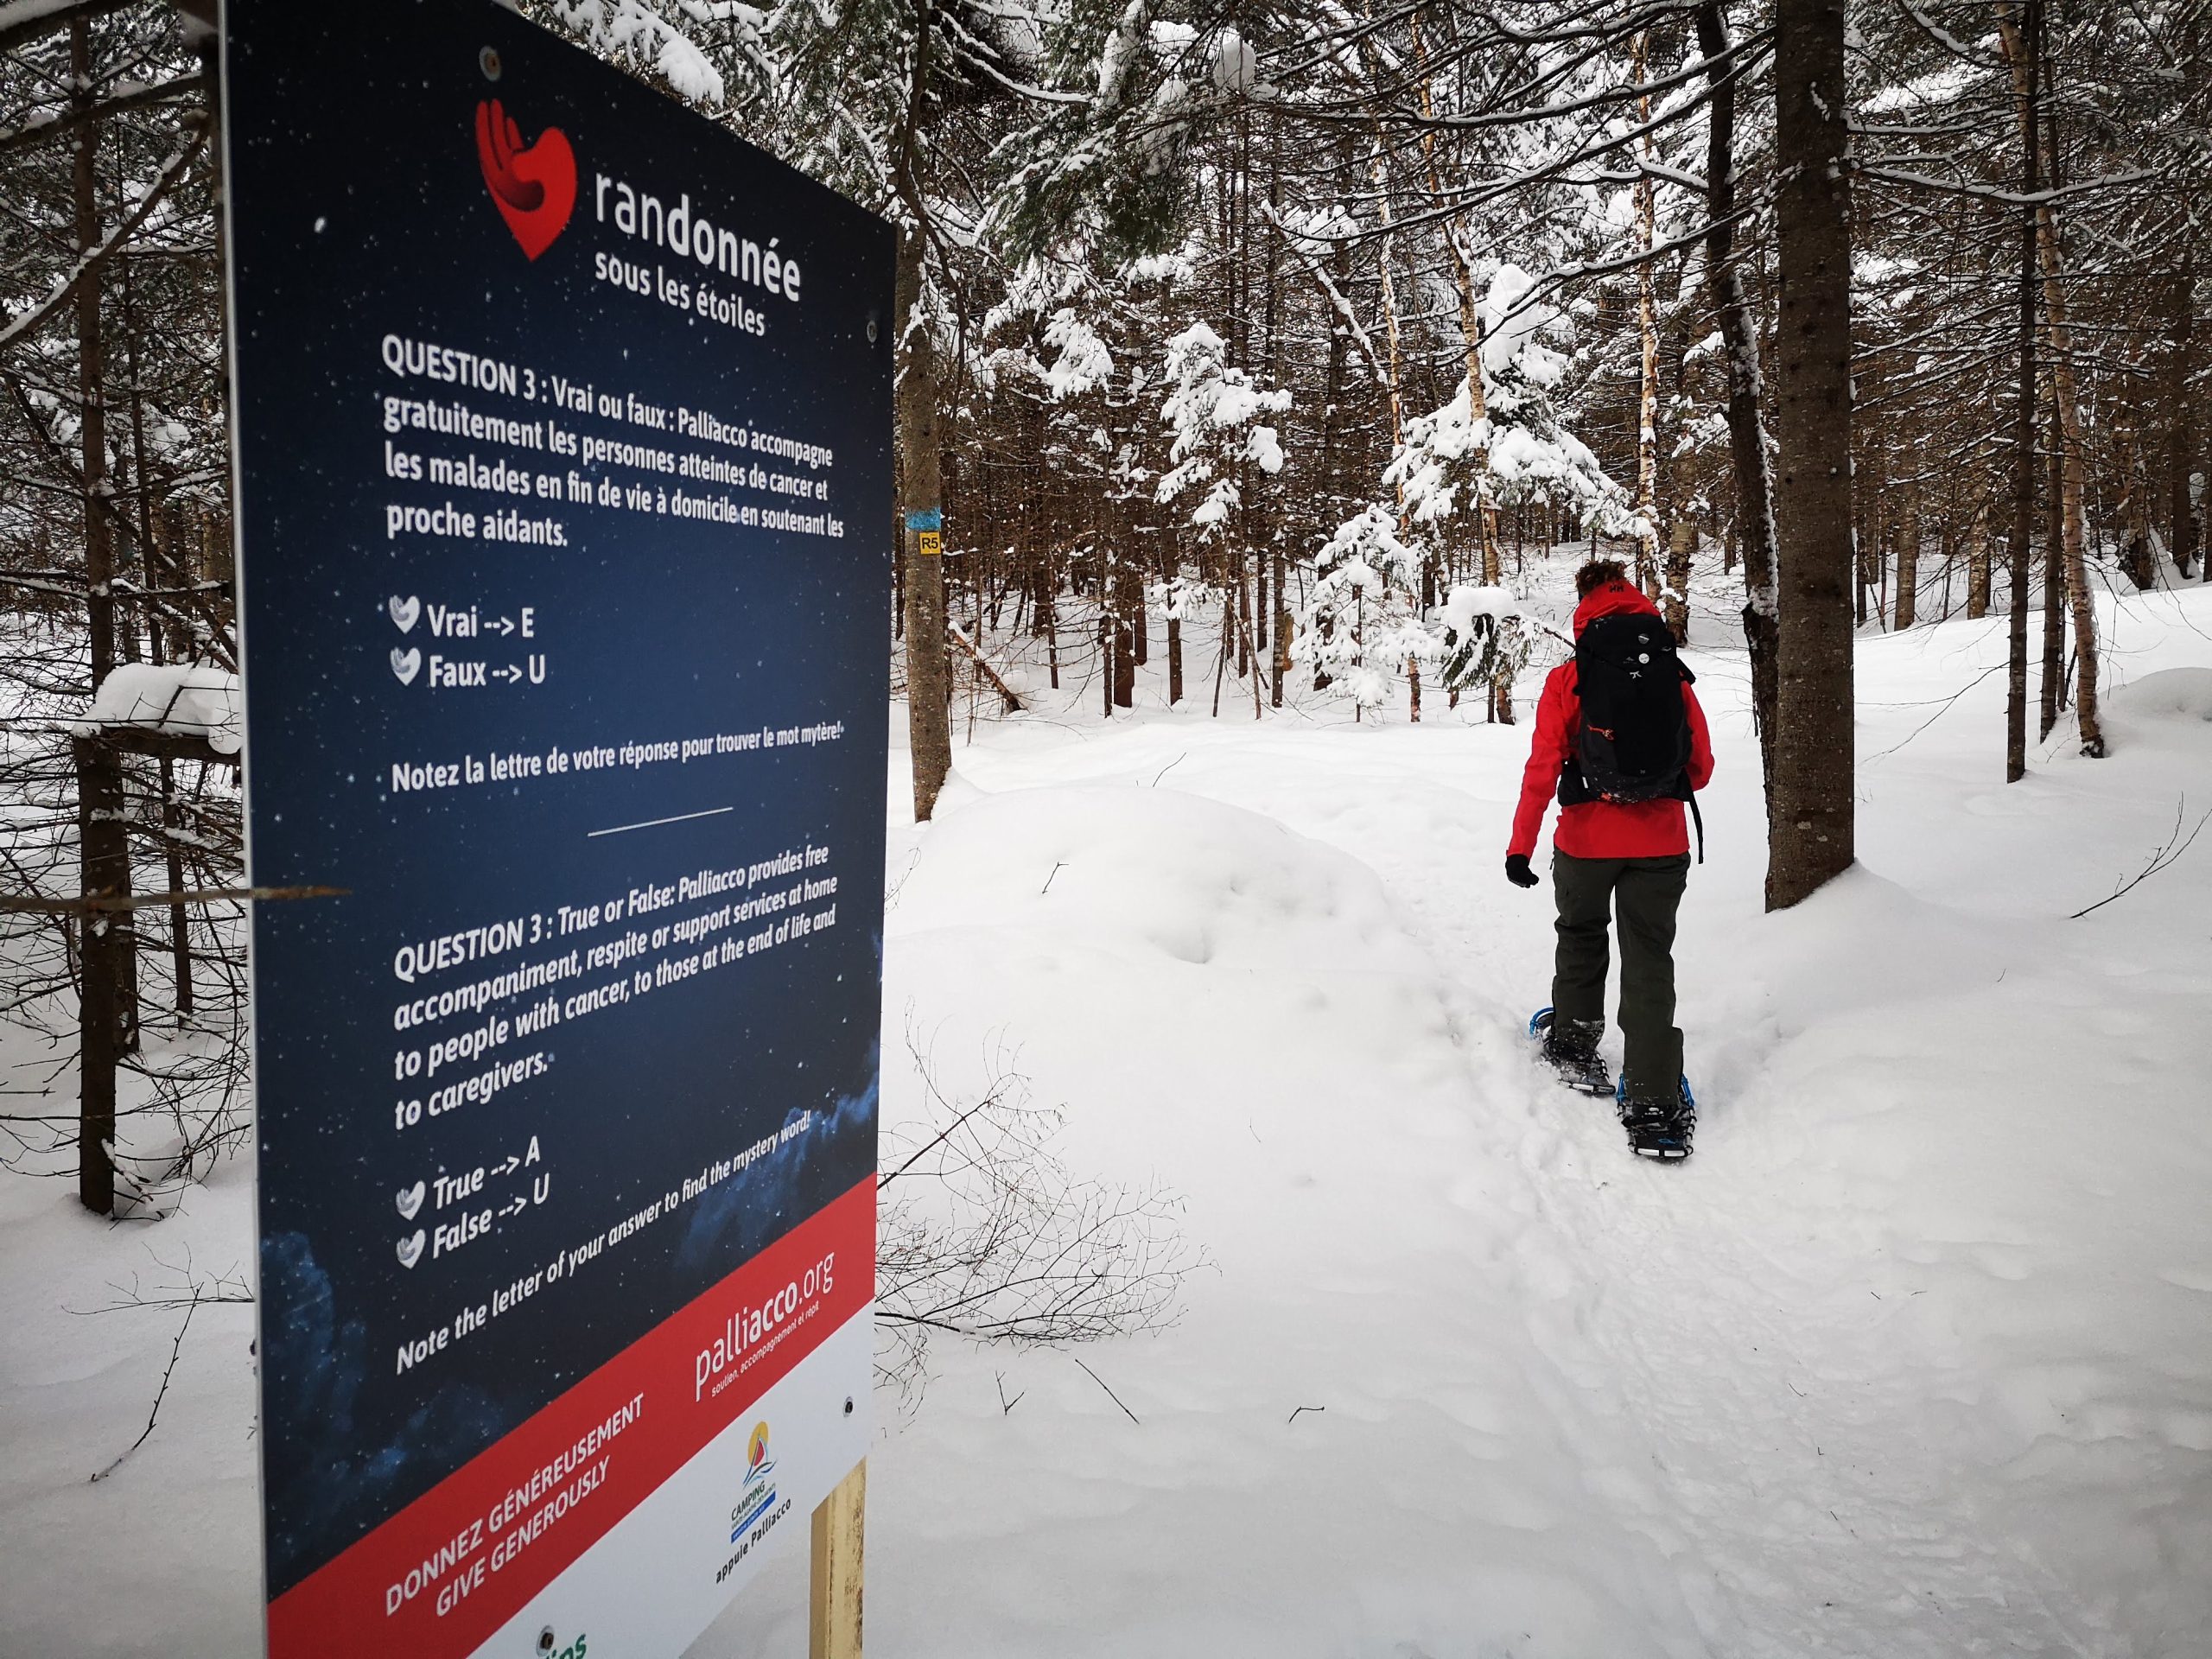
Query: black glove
<point x="1517" y="871"/>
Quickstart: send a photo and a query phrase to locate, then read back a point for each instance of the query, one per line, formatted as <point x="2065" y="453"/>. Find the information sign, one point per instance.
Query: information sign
<point x="565" y="492"/>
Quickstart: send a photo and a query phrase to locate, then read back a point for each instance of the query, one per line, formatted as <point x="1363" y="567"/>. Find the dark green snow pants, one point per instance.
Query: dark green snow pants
<point x="1643" y="894"/>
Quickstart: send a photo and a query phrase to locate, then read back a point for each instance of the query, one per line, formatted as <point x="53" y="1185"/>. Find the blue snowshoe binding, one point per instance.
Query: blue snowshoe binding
<point x="1571" y="1054"/>
<point x="1659" y="1129"/>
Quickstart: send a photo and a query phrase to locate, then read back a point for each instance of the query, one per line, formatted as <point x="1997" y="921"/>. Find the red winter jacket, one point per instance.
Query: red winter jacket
<point x="1601" y="828"/>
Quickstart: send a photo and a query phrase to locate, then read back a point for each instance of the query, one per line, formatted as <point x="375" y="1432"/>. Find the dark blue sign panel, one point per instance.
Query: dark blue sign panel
<point x="565" y="520"/>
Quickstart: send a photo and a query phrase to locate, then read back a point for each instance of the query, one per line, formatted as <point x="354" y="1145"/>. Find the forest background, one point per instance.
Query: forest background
<point x="1271" y="341"/>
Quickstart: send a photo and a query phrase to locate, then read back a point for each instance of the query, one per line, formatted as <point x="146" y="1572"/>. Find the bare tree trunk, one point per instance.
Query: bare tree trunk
<point x="107" y="945"/>
<point x="1386" y="252"/>
<point x="2139" y="562"/>
<point x="2024" y="436"/>
<point x="1812" y="825"/>
<point x="99" y="545"/>
<point x="1278" y="636"/>
<point x="1647" y="384"/>
<point x="2054" y="573"/>
<point x="1681" y="542"/>
<point x="1470" y="340"/>
<point x="103" y="939"/>
<point x="1908" y="538"/>
<point x="1747" y="389"/>
<point x="1977" y="565"/>
<point x="2067" y="401"/>
<point x="1129" y="623"/>
<point x="929" y="667"/>
<point x="2181" y="438"/>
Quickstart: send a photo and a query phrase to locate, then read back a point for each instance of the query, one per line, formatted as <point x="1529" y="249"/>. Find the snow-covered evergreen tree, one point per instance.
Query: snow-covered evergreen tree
<point x="1213" y="411"/>
<point x="1522" y="450"/>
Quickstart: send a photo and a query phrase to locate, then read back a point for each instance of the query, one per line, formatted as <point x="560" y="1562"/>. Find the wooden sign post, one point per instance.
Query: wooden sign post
<point x="835" y="1600"/>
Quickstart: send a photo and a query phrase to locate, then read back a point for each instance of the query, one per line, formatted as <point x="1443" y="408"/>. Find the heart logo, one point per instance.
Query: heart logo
<point x="409" y="1201"/>
<point x="404" y="663"/>
<point x="403" y="611"/>
<point x="410" y="1249"/>
<point x="534" y="189"/>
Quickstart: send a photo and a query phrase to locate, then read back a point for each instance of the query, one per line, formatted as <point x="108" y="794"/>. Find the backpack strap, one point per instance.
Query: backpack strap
<point x="1699" y="818"/>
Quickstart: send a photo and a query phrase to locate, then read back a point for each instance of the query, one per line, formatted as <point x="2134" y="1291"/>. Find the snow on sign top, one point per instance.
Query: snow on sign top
<point x="183" y="699"/>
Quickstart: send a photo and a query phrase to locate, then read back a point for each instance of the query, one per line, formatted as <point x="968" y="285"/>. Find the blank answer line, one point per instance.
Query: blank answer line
<point x="651" y="823"/>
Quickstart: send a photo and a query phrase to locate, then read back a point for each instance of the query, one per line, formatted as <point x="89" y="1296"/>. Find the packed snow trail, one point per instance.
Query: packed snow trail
<point x="1911" y="1359"/>
<point x="1742" y="1399"/>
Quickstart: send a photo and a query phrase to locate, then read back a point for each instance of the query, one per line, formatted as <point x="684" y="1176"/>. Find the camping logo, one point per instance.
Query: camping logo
<point x="760" y="1490"/>
<point x="533" y="187"/>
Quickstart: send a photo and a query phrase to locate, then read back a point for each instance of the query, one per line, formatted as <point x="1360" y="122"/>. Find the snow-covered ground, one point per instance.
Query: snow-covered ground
<point x="1915" y="1357"/>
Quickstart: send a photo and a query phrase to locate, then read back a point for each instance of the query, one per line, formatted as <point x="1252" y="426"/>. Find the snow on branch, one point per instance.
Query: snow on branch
<point x="24" y="323"/>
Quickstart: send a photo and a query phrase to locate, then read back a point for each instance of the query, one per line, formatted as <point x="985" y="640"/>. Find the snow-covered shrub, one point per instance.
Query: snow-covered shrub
<point x="1486" y="636"/>
<point x="1362" y="622"/>
<point x="983" y="1233"/>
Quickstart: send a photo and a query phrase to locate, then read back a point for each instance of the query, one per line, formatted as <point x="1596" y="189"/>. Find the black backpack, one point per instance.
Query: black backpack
<point x="1632" y="742"/>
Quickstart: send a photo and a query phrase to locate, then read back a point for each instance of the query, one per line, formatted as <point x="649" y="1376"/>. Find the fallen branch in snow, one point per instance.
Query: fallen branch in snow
<point x="2163" y="859"/>
<point x="1294" y="1416"/>
<point x="176" y="1349"/>
<point x="1014" y="704"/>
<point x="190" y="1295"/>
<point x="890" y="895"/>
<point x="1110" y="1395"/>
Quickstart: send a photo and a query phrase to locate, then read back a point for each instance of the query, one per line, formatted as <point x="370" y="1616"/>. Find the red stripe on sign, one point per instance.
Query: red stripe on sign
<point x="438" y="1578"/>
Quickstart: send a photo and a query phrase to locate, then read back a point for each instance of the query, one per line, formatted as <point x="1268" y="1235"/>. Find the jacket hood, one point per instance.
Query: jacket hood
<point x="1614" y="599"/>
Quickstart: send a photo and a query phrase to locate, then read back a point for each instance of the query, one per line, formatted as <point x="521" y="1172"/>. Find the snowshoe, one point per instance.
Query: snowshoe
<point x="1659" y="1129"/>
<point x="1576" y="1062"/>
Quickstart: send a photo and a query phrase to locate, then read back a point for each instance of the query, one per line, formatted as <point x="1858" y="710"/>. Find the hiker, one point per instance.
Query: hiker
<point x="1621" y="739"/>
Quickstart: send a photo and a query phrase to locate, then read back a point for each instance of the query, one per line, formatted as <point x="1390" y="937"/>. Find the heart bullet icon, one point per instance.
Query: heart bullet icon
<point x="534" y="189"/>
<point x="403" y="611"/>
<point x="404" y="663"/>
<point x="410" y="1249"/>
<point x="409" y="1201"/>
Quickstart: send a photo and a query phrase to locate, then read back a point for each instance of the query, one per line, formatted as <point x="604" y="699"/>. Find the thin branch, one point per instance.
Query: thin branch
<point x="1110" y="1395"/>
<point x="2163" y="859"/>
<point x="176" y="1349"/>
<point x="152" y="900"/>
